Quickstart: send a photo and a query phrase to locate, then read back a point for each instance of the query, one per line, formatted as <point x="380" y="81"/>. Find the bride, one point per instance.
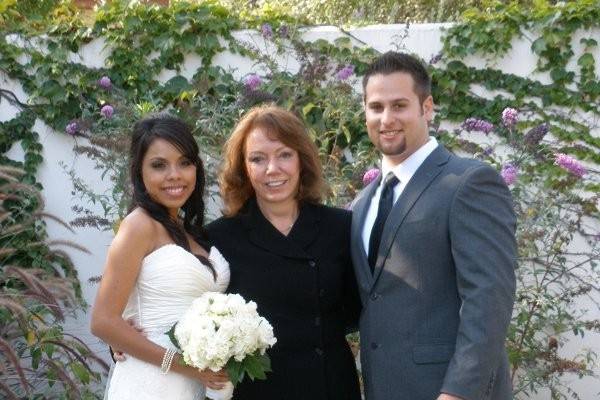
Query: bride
<point x="157" y="265"/>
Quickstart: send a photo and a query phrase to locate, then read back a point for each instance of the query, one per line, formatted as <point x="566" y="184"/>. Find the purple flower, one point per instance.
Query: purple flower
<point x="107" y="111"/>
<point x="105" y="82"/>
<point x="345" y="72"/>
<point x="284" y="31"/>
<point x="370" y="176"/>
<point x="252" y="82"/>
<point x="570" y="164"/>
<point x="535" y="135"/>
<point x="510" y="117"/>
<point x="72" y="128"/>
<point x="509" y="173"/>
<point x="474" y="124"/>
<point x="267" y="31"/>
<point x="435" y="59"/>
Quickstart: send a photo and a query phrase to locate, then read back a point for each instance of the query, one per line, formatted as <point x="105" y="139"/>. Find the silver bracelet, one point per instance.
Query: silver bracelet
<point x="167" y="361"/>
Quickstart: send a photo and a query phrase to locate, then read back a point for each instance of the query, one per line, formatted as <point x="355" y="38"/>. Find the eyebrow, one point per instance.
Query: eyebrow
<point x="282" y="148"/>
<point x="159" y="158"/>
<point x="397" y="100"/>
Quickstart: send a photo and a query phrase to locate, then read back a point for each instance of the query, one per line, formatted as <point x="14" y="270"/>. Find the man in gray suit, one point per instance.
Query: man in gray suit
<point x="434" y="252"/>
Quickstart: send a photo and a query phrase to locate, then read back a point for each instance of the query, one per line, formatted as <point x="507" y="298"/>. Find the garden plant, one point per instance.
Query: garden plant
<point x="542" y="135"/>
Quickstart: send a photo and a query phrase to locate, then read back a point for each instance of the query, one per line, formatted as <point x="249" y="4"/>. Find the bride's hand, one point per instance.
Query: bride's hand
<point x="213" y="380"/>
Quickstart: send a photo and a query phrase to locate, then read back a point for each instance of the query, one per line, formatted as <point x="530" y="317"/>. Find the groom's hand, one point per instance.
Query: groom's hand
<point x="118" y="355"/>
<point x="445" y="396"/>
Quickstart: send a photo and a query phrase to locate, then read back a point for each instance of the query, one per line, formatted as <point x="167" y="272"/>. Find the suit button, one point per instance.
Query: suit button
<point x="312" y="263"/>
<point x="374" y="345"/>
<point x="317" y="321"/>
<point x="374" y="296"/>
<point x="318" y="351"/>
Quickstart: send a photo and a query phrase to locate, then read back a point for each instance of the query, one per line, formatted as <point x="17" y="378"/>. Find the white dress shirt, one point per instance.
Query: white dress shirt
<point x="404" y="172"/>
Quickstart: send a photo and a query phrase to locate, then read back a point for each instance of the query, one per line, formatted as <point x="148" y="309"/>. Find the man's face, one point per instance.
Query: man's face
<point x="397" y="122"/>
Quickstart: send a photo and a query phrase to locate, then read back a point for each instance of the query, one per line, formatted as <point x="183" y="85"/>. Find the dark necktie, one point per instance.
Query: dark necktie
<point x="386" y="201"/>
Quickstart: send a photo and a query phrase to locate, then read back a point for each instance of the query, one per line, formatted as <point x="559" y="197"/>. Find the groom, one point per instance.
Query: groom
<point x="434" y="253"/>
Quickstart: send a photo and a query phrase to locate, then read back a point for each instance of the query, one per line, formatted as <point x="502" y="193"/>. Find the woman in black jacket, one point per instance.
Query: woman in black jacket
<point x="290" y="255"/>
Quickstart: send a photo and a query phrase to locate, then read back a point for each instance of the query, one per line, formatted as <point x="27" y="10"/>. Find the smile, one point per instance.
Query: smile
<point x="389" y="134"/>
<point x="276" y="183"/>
<point x="174" y="190"/>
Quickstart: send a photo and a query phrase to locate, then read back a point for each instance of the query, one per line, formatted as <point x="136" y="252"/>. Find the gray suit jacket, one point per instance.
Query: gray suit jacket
<point x="436" y="310"/>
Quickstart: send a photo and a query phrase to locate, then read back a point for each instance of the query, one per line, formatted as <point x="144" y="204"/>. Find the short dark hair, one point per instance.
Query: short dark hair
<point x="391" y="62"/>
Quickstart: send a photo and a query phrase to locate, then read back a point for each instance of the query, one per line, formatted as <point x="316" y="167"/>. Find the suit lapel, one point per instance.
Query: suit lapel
<point x="263" y="234"/>
<point x="360" y="207"/>
<point x="425" y="174"/>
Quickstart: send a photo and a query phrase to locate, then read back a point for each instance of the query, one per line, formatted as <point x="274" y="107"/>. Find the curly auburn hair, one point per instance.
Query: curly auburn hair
<point x="282" y="125"/>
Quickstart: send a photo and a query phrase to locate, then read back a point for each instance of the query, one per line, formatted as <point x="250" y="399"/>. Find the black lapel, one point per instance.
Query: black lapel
<point x="263" y="234"/>
<point x="425" y="174"/>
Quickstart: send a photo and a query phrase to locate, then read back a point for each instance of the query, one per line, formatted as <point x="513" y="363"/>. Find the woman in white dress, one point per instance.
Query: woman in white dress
<point x="157" y="264"/>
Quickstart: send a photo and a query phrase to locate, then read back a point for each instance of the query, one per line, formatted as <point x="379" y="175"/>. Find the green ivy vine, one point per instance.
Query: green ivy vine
<point x="142" y="41"/>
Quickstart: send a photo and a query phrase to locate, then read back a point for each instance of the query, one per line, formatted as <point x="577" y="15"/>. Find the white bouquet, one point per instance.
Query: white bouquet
<point x="224" y="331"/>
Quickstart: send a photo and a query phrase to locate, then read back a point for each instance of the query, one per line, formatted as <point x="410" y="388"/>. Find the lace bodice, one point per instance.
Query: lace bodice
<point x="169" y="280"/>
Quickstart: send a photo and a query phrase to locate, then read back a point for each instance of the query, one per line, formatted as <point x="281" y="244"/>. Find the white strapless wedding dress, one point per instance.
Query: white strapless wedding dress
<point x="169" y="280"/>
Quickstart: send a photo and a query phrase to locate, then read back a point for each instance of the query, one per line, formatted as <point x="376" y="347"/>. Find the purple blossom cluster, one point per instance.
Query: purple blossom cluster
<point x="570" y="164"/>
<point x="436" y="58"/>
<point x="72" y="128"/>
<point x="345" y="72"/>
<point x="535" y="135"/>
<point x="370" y="176"/>
<point x="107" y="111"/>
<point x="510" y="117"/>
<point x="284" y="31"/>
<point x="105" y="82"/>
<point x="509" y="173"/>
<point x="252" y="82"/>
<point x="266" y="31"/>
<point x="474" y="124"/>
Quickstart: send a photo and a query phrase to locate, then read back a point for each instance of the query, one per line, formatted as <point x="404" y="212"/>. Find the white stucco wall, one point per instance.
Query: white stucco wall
<point x="422" y="39"/>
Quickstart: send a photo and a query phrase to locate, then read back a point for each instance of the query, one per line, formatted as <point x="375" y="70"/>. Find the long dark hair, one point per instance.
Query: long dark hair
<point x="179" y="134"/>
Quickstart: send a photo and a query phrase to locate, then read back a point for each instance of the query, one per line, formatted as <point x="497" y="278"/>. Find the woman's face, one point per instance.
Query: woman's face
<point x="168" y="175"/>
<point x="273" y="169"/>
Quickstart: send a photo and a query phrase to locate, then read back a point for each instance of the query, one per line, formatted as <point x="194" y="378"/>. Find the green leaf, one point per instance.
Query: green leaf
<point x="49" y="349"/>
<point x="538" y="46"/>
<point x="36" y="355"/>
<point x="171" y="335"/>
<point x="176" y="85"/>
<point x="586" y="60"/>
<point x="235" y="371"/>
<point x="588" y="42"/>
<point x="80" y="372"/>
<point x="257" y="365"/>
<point x="307" y="108"/>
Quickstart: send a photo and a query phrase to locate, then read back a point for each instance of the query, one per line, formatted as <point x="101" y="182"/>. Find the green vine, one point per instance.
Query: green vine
<point x="141" y="42"/>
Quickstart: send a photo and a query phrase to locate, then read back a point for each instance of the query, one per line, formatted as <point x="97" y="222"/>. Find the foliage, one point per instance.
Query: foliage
<point x="556" y="105"/>
<point x="361" y="12"/>
<point x="557" y="209"/>
<point x="38" y="287"/>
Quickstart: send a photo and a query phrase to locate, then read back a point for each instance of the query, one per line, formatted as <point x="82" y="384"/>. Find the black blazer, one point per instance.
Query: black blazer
<point x="305" y="286"/>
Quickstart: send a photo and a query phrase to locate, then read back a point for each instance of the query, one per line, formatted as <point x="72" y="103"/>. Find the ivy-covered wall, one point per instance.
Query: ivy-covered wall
<point x="518" y="90"/>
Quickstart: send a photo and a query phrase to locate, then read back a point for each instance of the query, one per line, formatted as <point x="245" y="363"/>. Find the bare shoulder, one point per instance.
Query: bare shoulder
<point x="139" y="228"/>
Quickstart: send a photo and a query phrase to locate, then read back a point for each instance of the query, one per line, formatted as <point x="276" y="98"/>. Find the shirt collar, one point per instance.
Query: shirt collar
<point x="407" y="168"/>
